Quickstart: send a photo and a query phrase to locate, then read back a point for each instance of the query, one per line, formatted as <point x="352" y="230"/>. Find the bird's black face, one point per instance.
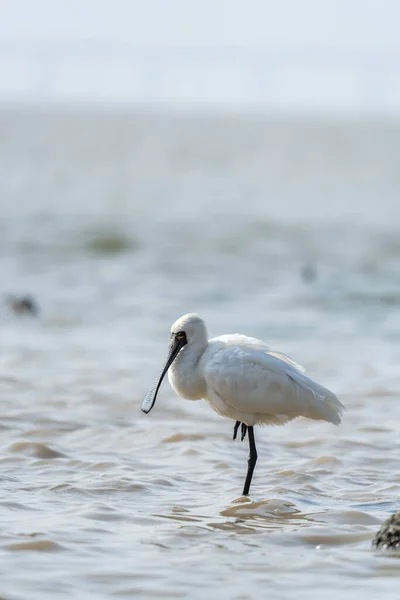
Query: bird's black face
<point x="178" y="340"/>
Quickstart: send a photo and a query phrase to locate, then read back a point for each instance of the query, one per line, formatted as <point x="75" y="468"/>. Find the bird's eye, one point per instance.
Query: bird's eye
<point x="181" y="335"/>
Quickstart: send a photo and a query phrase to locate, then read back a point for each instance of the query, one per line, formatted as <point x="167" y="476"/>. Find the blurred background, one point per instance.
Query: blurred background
<point x="217" y="139"/>
<point x="236" y="158"/>
<point x="262" y="55"/>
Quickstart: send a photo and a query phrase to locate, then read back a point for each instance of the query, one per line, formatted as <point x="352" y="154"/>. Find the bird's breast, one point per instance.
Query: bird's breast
<point x="186" y="380"/>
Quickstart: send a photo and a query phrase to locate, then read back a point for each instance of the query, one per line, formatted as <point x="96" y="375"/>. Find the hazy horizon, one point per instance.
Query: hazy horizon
<point x="243" y="55"/>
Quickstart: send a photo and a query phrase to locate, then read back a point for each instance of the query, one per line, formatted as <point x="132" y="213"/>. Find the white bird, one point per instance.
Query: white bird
<point x="241" y="378"/>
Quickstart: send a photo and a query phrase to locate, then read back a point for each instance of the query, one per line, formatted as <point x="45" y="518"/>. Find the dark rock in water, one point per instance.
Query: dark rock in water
<point x="23" y="305"/>
<point x="388" y="537"/>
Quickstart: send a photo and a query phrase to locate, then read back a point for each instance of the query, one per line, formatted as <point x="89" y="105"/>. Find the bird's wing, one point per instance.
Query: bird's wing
<point x="259" y="382"/>
<point x="244" y="341"/>
<point x="287" y="360"/>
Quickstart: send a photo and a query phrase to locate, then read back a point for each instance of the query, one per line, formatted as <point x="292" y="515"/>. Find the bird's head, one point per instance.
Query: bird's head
<point x="188" y="330"/>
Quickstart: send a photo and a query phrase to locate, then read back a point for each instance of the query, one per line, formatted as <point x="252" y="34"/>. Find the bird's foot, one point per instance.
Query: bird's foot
<point x="243" y="430"/>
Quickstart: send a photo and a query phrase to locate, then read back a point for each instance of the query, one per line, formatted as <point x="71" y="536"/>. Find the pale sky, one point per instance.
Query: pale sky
<point x="342" y="23"/>
<point x="339" y="53"/>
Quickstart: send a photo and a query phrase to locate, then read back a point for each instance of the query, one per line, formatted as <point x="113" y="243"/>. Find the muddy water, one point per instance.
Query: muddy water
<point x="117" y="224"/>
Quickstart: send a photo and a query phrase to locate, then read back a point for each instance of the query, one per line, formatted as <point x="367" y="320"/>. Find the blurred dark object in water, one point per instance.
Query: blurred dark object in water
<point x="308" y="273"/>
<point x="109" y="242"/>
<point x="23" y="305"/>
<point x="388" y="537"/>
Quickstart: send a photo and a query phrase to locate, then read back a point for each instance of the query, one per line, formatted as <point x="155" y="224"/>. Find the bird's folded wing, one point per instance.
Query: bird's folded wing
<point x="287" y="360"/>
<point x="250" y="380"/>
<point x="244" y="341"/>
<point x="254" y="381"/>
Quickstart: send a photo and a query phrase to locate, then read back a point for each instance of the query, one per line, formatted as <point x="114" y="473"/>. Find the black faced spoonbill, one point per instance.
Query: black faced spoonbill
<point x="241" y="378"/>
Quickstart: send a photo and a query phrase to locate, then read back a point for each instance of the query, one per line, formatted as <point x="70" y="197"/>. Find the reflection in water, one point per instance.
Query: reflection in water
<point x="263" y="514"/>
<point x="261" y="508"/>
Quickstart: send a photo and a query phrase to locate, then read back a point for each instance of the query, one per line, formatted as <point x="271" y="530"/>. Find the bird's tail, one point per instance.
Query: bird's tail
<point x="320" y="403"/>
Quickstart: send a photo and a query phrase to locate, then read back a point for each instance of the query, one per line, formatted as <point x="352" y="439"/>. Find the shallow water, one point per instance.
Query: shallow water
<point x="117" y="224"/>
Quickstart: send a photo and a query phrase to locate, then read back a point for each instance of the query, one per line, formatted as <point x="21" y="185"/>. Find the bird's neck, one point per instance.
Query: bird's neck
<point x="185" y="374"/>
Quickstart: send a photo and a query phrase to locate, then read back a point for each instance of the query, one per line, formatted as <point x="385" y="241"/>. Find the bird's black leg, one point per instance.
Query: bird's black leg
<point x="251" y="462"/>
<point x="244" y="430"/>
<point x="235" y="429"/>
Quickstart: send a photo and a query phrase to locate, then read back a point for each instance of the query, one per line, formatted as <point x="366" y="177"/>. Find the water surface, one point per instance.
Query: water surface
<point x="285" y="229"/>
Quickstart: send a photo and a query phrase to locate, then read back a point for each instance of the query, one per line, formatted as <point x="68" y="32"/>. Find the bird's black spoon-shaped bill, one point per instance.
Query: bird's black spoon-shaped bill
<point x="151" y="396"/>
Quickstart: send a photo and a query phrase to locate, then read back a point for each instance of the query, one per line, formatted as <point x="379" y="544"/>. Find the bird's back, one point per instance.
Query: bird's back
<point x="247" y="380"/>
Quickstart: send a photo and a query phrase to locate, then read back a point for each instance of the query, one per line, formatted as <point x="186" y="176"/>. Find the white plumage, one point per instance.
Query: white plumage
<point x="245" y="380"/>
<point x="242" y="378"/>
